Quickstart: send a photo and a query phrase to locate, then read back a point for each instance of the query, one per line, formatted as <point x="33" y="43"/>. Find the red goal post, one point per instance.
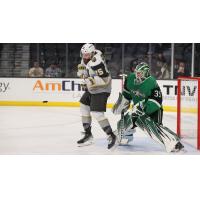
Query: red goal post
<point x="179" y="111"/>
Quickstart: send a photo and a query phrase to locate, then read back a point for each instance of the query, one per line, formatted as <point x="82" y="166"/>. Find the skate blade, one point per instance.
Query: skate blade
<point x="181" y="151"/>
<point x="88" y="143"/>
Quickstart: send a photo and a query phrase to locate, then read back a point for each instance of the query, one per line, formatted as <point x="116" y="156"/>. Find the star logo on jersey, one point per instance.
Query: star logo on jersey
<point x="138" y="93"/>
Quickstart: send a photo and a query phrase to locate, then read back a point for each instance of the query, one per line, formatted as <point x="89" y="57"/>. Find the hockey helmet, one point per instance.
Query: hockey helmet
<point x="87" y="50"/>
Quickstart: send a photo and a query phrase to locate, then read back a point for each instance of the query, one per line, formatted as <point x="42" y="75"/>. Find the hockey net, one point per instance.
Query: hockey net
<point x="188" y="110"/>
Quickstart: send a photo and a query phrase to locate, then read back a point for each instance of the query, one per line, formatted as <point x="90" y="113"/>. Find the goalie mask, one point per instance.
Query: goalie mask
<point x="142" y="72"/>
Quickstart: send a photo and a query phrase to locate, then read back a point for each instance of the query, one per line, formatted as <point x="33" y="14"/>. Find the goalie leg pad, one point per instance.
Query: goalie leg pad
<point x="159" y="133"/>
<point x="124" y="128"/>
<point x="127" y="136"/>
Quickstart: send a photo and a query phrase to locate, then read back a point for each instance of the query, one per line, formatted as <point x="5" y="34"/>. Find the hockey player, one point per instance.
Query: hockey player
<point x="97" y="82"/>
<point x="142" y="89"/>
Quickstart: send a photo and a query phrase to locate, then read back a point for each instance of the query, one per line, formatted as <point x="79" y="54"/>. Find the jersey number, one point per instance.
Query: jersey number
<point x="100" y="72"/>
<point x="157" y="93"/>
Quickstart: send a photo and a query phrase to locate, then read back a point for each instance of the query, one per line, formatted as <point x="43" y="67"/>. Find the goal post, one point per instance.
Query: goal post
<point x="188" y="103"/>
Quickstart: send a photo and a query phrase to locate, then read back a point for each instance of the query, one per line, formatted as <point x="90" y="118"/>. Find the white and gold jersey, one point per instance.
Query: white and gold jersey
<point x="97" y="71"/>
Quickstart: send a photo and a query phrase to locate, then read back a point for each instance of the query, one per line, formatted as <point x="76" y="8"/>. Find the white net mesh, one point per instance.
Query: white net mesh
<point x="189" y="107"/>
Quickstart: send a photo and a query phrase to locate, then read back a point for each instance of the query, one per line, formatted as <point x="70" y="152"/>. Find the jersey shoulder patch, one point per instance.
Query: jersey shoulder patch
<point x="98" y="65"/>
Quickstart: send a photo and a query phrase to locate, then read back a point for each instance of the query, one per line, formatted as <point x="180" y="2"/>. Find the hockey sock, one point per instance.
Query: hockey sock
<point x="103" y="122"/>
<point x="86" y="121"/>
<point x="105" y="125"/>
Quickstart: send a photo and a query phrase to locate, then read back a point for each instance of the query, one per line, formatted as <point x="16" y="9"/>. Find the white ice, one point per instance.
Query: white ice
<point x="55" y="130"/>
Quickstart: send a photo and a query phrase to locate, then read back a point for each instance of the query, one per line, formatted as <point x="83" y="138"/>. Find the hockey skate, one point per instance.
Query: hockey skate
<point x="86" y="140"/>
<point x="178" y="148"/>
<point x="112" y="141"/>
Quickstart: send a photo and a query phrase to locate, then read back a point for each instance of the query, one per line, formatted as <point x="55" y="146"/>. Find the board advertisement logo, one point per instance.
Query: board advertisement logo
<point x="56" y="85"/>
<point x="4" y="86"/>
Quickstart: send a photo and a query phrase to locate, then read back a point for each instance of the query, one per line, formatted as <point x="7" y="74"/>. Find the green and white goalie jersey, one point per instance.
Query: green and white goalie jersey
<point x="148" y="92"/>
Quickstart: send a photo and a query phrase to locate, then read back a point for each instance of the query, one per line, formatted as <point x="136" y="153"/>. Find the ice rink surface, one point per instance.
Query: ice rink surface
<point x="55" y="131"/>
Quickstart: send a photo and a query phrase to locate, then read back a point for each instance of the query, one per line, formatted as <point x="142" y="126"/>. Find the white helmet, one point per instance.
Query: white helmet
<point x="87" y="49"/>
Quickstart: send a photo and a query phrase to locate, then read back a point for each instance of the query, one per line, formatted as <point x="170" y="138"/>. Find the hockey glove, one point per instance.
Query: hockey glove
<point x="138" y="109"/>
<point x="90" y="83"/>
<point x="83" y="85"/>
<point x="82" y="72"/>
<point x="95" y="83"/>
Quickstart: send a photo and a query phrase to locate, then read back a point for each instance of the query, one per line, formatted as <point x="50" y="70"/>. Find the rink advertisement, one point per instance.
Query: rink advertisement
<point x="4" y="86"/>
<point x="67" y="92"/>
<point x="46" y="92"/>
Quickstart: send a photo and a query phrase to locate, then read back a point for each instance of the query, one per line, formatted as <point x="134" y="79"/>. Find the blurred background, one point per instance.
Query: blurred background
<point x="58" y="60"/>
